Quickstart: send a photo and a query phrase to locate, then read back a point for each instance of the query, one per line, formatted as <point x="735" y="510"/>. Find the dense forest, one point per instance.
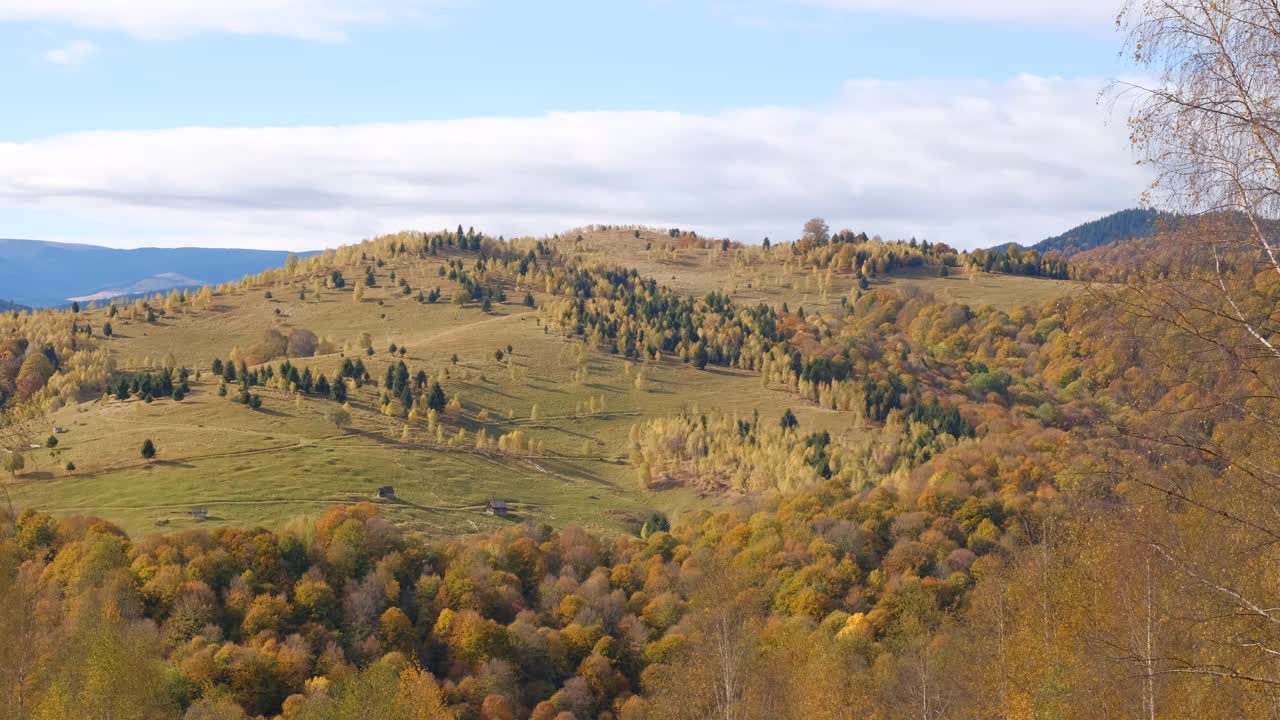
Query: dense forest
<point x="1131" y="224"/>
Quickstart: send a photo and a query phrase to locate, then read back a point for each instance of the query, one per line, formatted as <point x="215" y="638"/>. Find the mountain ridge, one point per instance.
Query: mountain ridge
<point x="1116" y="227"/>
<point x="41" y="273"/>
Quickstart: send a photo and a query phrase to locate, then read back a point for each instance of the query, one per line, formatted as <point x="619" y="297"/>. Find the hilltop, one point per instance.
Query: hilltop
<point x="1118" y="227"/>
<point x="806" y="274"/>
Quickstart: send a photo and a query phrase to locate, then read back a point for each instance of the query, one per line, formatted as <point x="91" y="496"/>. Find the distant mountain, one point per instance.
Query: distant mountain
<point x="1131" y="224"/>
<point x="43" y="274"/>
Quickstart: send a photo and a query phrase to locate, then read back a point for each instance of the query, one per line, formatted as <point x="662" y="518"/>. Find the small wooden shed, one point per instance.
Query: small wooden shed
<point x="387" y="492"/>
<point x="498" y="507"/>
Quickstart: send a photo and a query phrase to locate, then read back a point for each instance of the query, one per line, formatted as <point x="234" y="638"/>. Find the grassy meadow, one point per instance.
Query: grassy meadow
<point x="288" y="458"/>
<point x="697" y="270"/>
<point x="264" y="467"/>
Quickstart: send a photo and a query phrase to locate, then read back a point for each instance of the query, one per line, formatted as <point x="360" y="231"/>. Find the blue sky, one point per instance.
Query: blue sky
<point x="303" y="123"/>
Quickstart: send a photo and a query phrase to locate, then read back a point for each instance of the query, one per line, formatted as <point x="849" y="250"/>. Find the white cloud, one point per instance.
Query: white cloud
<point x="970" y="164"/>
<point x="72" y="54"/>
<point x="313" y="19"/>
<point x="331" y="19"/>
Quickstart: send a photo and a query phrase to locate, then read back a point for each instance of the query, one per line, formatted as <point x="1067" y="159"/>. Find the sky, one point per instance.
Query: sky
<point x="301" y="124"/>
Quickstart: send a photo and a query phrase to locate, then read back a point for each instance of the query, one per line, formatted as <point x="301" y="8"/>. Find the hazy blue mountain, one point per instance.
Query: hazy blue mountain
<point x="42" y="274"/>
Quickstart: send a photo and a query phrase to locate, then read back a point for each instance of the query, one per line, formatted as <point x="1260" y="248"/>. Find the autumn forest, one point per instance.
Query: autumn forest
<point x="637" y="473"/>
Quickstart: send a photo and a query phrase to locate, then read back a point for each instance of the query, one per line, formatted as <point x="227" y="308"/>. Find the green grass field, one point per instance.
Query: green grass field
<point x="288" y="459"/>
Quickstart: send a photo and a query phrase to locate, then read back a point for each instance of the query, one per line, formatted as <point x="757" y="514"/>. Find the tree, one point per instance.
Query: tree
<point x="340" y="417"/>
<point x="34" y="373"/>
<point x="397" y="630"/>
<point x="712" y="678"/>
<point x="148" y="450"/>
<point x="496" y="707"/>
<point x="789" y="421"/>
<point x="436" y="399"/>
<point x="700" y="357"/>
<point x="1207" y="127"/>
<point x="816" y="231"/>
<point x="14" y="463"/>
<point x="302" y="343"/>
<point x="106" y="330"/>
<point x="52" y="442"/>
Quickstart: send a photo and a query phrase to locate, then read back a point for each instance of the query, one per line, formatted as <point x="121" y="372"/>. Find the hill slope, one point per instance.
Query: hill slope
<point x="786" y="275"/>
<point x="516" y="336"/>
<point x="580" y="406"/>
<point x="1131" y="224"/>
<point x="41" y="274"/>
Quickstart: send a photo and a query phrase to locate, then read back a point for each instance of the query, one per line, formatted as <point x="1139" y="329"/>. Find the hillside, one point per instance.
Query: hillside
<point x="45" y="274"/>
<point x="634" y="472"/>
<point x="800" y="448"/>
<point x="1131" y="224"/>
<point x="583" y="478"/>
<point x="797" y="275"/>
<point x="587" y="401"/>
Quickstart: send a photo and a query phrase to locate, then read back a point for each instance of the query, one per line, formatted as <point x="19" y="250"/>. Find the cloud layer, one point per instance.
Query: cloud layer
<point x="971" y="165"/>
<point x="331" y="19"/>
